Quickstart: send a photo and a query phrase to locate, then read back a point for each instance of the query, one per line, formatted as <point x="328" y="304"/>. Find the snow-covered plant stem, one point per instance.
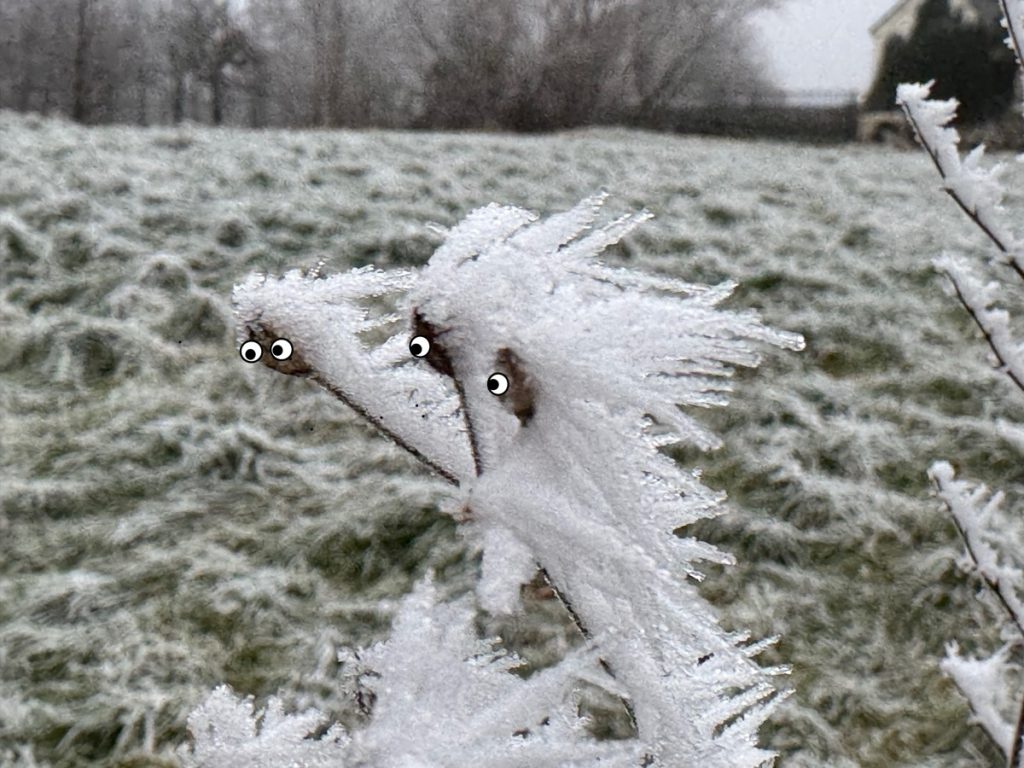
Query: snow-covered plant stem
<point x="980" y="519"/>
<point x="543" y="385"/>
<point x="993" y="542"/>
<point x="973" y="188"/>
<point x="978" y="192"/>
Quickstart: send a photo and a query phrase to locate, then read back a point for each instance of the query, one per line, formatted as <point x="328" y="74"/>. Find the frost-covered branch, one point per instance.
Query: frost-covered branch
<point x="975" y="189"/>
<point x="987" y="534"/>
<point x="1013" y="21"/>
<point x="978" y="299"/>
<point x="548" y="385"/>
<point x="980" y="520"/>
<point x="982" y="682"/>
<point x="378" y="386"/>
<point x="440" y="697"/>
<point x="1016" y="758"/>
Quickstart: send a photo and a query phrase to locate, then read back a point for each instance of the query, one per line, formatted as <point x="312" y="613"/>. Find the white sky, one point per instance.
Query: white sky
<point x="822" y="44"/>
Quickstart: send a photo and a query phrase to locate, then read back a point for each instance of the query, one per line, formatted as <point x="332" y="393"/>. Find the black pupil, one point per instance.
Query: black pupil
<point x="417" y="347"/>
<point x="493" y="384"/>
<point x="250" y="353"/>
<point x="278" y="349"/>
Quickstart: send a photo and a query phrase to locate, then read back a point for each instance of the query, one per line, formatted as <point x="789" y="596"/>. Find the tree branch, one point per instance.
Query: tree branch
<point x="378" y="424"/>
<point x="1001" y="241"/>
<point x="1015" y="376"/>
<point x="957" y="502"/>
<point x="1016" y="33"/>
<point x="1017" y="751"/>
<point x="969" y="509"/>
<point x="994" y="585"/>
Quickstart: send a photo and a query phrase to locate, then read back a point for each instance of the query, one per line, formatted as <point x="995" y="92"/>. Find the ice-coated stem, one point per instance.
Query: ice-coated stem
<point x="1013" y="13"/>
<point x="1017" y="750"/>
<point x="971" y="508"/>
<point x="976" y="191"/>
<point x="994" y="323"/>
<point x="378" y="424"/>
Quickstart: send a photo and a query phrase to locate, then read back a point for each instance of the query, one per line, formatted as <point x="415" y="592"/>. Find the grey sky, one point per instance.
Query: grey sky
<point x="822" y="44"/>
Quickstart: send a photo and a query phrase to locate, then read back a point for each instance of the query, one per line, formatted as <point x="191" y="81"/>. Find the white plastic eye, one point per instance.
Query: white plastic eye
<point x="419" y="346"/>
<point x="251" y="351"/>
<point x="497" y="383"/>
<point x="281" y="349"/>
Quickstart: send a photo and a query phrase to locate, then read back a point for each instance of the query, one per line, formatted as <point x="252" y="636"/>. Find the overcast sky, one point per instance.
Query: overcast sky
<point x="822" y="44"/>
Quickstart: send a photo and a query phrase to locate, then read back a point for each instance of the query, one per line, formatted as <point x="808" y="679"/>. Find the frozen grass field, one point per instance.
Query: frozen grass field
<point x="171" y="518"/>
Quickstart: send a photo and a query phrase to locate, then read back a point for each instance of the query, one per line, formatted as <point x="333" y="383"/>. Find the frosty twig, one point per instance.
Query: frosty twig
<point x="975" y="190"/>
<point x="560" y="463"/>
<point x="976" y="513"/>
<point x="994" y="324"/>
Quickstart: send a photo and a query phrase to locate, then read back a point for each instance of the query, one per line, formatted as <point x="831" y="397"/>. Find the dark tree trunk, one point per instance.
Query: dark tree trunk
<point x="195" y="94"/>
<point x="319" y="111"/>
<point x="178" y="101"/>
<point x="217" y="94"/>
<point x="26" y="88"/>
<point x="79" y="84"/>
<point x="142" y="105"/>
<point x="29" y="42"/>
<point x="258" y="90"/>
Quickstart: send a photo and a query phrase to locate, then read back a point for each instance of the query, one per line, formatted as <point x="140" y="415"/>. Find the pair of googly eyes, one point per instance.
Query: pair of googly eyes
<point x="251" y="351"/>
<point x="497" y="383"/>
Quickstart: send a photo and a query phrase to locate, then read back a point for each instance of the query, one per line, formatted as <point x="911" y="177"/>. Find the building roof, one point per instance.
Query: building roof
<point x="988" y="11"/>
<point x="896" y="8"/>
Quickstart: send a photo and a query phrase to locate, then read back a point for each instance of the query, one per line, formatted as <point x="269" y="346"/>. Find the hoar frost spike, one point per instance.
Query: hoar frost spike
<point x="543" y="384"/>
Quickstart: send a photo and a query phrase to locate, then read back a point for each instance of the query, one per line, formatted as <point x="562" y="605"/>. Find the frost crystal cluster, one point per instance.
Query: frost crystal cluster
<point x="544" y="386"/>
<point x="994" y="539"/>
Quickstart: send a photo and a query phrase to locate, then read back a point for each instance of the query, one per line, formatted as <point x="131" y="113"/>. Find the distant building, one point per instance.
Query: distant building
<point x="899" y="20"/>
<point x="887" y="124"/>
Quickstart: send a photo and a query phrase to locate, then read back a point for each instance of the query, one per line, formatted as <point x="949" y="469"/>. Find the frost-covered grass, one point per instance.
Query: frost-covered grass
<point x="172" y="519"/>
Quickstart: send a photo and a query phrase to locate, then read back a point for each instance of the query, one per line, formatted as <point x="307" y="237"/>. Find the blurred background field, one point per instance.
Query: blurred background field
<point x="171" y="518"/>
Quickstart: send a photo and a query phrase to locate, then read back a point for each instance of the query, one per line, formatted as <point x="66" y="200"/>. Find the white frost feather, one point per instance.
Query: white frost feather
<point x="583" y="484"/>
<point x="443" y="699"/>
<point x="983" y="682"/>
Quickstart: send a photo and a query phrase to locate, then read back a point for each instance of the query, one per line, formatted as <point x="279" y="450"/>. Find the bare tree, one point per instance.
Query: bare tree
<point x="472" y="60"/>
<point x="518" y="64"/>
<point x="558" y="63"/>
<point x="147" y="69"/>
<point x="327" y="21"/>
<point x="38" y="39"/>
<point x="690" y="50"/>
<point x="206" y="42"/>
<point x="577" y="53"/>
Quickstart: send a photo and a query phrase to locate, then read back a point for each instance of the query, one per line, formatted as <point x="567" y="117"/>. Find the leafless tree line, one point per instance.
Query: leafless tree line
<point x="512" y="64"/>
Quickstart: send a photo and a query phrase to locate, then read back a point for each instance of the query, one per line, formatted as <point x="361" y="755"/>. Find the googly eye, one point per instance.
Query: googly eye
<point x="281" y="349"/>
<point x="497" y="383"/>
<point x="419" y="346"/>
<point x="251" y="351"/>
